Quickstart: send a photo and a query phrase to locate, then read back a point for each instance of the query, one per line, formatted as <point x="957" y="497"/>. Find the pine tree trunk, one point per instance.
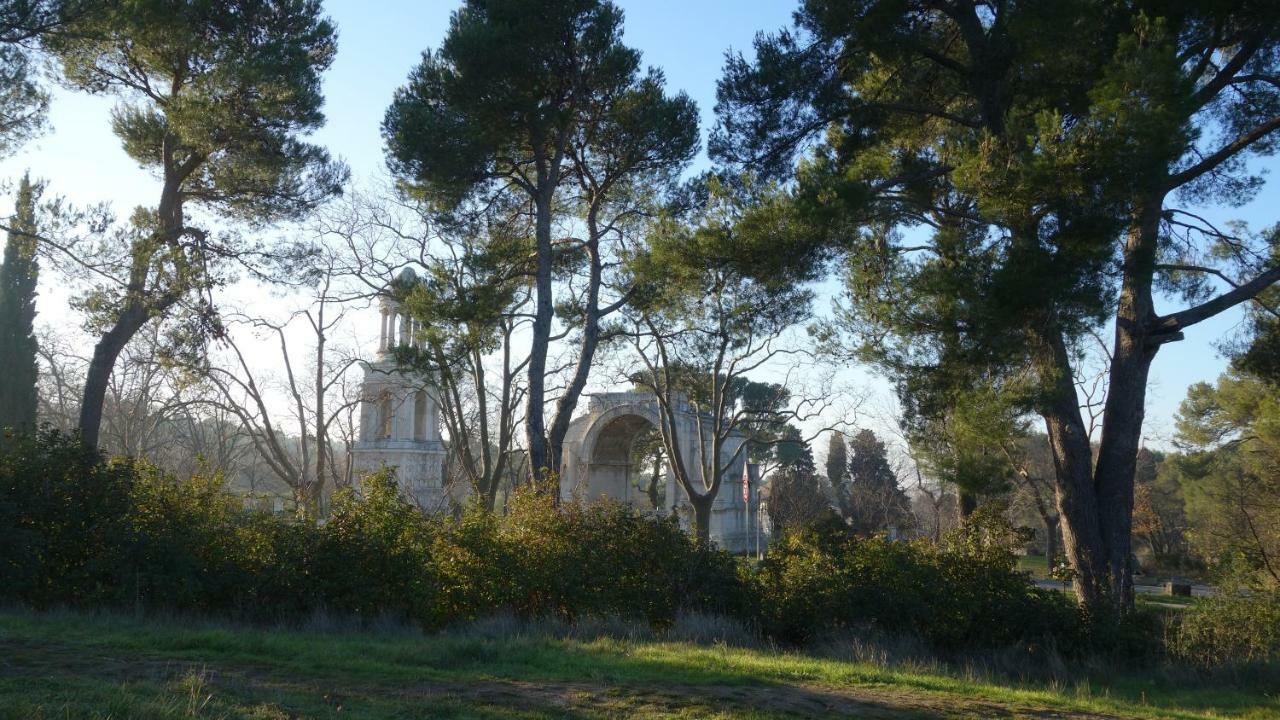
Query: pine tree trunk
<point x="1082" y="537"/>
<point x="98" y="376"/>
<point x="1124" y="411"/>
<point x="535" y="427"/>
<point x="1050" y="541"/>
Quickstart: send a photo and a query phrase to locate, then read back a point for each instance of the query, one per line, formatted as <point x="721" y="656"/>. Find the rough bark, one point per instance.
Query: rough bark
<point x="1082" y="536"/>
<point x="586" y="355"/>
<point x="1050" y="541"/>
<point x="1123" y="413"/>
<point x="539" y="453"/>
<point x="105" y="353"/>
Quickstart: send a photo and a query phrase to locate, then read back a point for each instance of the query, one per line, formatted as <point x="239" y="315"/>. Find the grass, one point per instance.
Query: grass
<point x="71" y="665"/>
<point x="1037" y="565"/>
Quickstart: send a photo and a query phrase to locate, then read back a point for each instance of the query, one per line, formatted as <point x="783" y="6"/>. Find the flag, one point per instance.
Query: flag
<point x="746" y="482"/>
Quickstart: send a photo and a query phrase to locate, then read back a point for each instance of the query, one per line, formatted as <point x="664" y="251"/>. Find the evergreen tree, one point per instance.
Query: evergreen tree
<point x="837" y="460"/>
<point x="872" y="500"/>
<point x="542" y="104"/>
<point x="18" y="314"/>
<point x="792" y="452"/>
<point x="215" y="99"/>
<point x="1040" y="149"/>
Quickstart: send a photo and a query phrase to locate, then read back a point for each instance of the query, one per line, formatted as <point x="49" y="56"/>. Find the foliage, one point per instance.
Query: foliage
<point x="1229" y="630"/>
<point x="373" y="553"/>
<point x="468" y="308"/>
<point x="214" y="99"/>
<point x="604" y="558"/>
<point x="791" y="452"/>
<point x="80" y="531"/>
<point x="964" y="593"/>
<point x="23" y="102"/>
<point x="837" y="460"/>
<point x="796" y="498"/>
<point x="1231" y="483"/>
<point x="871" y="500"/>
<point x="542" y="107"/>
<point x="64" y="520"/>
<point x="18" y="347"/>
<point x="1008" y="189"/>
<point x="708" y="310"/>
<point x="1159" y="515"/>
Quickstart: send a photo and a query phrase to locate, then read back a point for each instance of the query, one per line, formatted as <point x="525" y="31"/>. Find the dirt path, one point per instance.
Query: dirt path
<point x="791" y="700"/>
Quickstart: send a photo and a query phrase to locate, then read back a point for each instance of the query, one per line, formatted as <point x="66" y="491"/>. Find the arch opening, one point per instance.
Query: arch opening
<point x="628" y="464"/>
<point x="420" y="415"/>
<point x="385" y="414"/>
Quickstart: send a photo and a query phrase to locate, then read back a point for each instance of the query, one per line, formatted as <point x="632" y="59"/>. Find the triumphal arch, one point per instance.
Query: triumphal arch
<point x="600" y="460"/>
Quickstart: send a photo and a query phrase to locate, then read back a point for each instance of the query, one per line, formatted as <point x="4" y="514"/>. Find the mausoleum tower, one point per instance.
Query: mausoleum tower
<point x="399" y="415"/>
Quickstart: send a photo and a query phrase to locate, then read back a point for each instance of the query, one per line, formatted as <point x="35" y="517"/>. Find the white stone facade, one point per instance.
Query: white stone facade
<point x="597" y="463"/>
<point x="399" y="418"/>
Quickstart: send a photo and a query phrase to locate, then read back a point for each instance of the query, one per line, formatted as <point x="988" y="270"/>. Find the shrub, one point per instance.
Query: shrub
<point x="1228" y="629"/>
<point x="372" y="554"/>
<point x="63" y="520"/>
<point x="75" y="529"/>
<point x="185" y="550"/>
<point x="965" y="593"/>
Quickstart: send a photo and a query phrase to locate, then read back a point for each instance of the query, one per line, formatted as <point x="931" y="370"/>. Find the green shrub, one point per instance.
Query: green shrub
<point x="373" y="553"/>
<point x="1228" y="629"/>
<point x="185" y="550"/>
<point x="966" y="593"/>
<point x="63" y="520"/>
<point x="602" y="558"/>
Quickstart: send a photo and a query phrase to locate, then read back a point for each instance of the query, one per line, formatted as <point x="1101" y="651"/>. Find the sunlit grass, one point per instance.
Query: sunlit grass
<point x="75" y="665"/>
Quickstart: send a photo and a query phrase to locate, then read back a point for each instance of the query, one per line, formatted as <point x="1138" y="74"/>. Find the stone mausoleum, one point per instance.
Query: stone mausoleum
<point x="400" y="417"/>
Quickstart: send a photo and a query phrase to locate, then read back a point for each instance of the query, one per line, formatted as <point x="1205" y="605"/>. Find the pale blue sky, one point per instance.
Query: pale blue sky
<point x="379" y="41"/>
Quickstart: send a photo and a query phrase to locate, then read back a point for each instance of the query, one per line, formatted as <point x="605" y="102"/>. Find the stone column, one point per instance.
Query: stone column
<point x="404" y="329"/>
<point x="382" y="330"/>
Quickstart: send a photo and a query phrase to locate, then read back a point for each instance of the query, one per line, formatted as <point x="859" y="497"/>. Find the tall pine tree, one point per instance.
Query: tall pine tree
<point x="18" y="314"/>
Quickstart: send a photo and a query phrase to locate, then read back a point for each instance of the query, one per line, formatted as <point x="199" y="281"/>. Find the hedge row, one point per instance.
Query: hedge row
<point x="76" y="529"/>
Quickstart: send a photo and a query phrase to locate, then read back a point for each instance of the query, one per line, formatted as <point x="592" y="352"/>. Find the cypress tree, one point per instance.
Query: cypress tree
<point x="18" y="313"/>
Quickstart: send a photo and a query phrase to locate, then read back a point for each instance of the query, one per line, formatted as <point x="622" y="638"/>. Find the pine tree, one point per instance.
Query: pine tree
<point x="18" y="314"/>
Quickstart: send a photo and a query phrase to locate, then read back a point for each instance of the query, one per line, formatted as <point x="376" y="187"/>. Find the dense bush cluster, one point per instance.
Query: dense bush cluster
<point x="1227" y="629"/>
<point x="78" y="530"/>
<point x="965" y="592"/>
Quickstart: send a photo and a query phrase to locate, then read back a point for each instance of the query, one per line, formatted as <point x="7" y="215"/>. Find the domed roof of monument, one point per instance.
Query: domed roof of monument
<point x="407" y="276"/>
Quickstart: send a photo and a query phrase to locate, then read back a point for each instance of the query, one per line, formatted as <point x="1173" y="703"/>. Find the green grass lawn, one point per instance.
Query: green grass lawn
<point x="67" y="665"/>
<point x="1034" y="564"/>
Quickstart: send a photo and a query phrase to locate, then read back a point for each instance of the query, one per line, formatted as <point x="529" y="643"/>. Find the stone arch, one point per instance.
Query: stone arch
<point x="597" y="453"/>
<point x="610" y="467"/>
<point x="592" y="463"/>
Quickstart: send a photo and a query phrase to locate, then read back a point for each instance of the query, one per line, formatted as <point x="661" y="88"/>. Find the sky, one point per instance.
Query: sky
<point x="381" y="40"/>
